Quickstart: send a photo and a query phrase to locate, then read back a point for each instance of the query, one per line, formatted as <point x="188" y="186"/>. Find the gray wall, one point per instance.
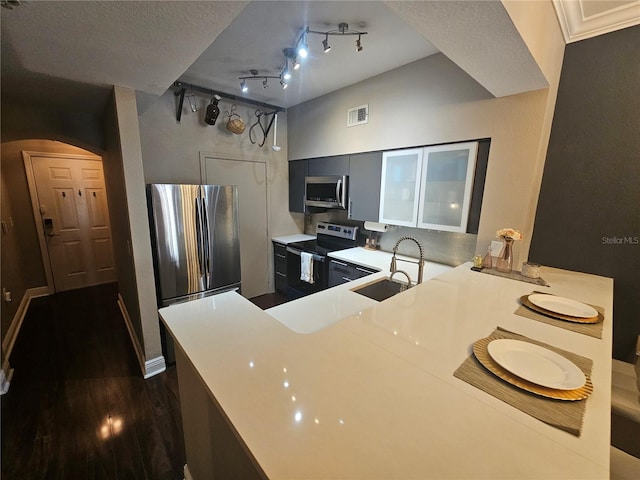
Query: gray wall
<point x="591" y="185"/>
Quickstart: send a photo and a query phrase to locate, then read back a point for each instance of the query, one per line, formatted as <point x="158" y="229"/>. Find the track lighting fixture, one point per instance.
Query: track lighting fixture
<point x="300" y="50"/>
<point x="254" y="76"/>
<point x="343" y="29"/>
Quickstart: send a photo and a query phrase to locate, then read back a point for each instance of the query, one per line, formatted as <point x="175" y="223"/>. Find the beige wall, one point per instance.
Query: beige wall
<point x="171" y="153"/>
<point x="432" y="101"/>
<point x="133" y="243"/>
<point x="22" y="266"/>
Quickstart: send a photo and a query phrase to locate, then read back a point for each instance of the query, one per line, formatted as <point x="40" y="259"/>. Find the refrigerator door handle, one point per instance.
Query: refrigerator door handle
<point x="199" y="236"/>
<point x="206" y="236"/>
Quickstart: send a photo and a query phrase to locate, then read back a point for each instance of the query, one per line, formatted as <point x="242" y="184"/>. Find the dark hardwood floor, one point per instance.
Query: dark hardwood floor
<point x="78" y="407"/>
<point x="269" y="300"/>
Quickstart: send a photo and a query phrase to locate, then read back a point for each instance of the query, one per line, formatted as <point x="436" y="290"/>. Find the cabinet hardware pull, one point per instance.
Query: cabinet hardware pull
<point x="80" y="193"/>
<point x="64" y="194"/>
<point x="281" y="274"/>
<point x="339" y="263"/>
<point x="364" y="270"/>
<point x="279" y="255"/>
<point x="346" y="279"/>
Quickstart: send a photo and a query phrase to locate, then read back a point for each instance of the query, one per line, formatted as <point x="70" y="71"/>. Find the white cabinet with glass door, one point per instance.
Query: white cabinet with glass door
<point x="400" y="187"/>
<point x="428" y="187"/>
<point x="446" y="186"/>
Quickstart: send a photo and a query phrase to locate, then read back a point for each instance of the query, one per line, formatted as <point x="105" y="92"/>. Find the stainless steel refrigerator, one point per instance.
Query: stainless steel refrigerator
<point x="195" y="241"/>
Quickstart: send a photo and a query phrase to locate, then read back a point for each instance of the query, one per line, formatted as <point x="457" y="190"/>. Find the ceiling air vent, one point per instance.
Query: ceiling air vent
<point x="358" y="115"/>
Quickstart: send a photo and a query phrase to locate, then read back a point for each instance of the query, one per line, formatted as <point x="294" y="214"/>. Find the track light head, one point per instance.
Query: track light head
<point x="286" y="74"/>
<point x="302" y="49"/>
<point x="358" y="45"/>
<point x="264" y="83"/>
<point x="284" y="84"/>
<point x="325" y="44"/>
<point x="243" y="86"/>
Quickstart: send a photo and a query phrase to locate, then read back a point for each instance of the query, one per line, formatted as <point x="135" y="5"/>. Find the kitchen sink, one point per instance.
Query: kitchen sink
<point x="381" y="289"/>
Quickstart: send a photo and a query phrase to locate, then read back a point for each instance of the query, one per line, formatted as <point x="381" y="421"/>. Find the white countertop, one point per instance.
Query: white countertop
<point x="373" y="395"/>
<point x="297" y="237"/>
<point x="334" y="304"/>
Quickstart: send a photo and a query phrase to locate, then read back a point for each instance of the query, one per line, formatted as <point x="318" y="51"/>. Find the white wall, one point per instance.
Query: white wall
<point x="432" y="101"/>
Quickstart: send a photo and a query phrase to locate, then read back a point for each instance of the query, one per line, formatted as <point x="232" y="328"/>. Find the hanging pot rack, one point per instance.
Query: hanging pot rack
<point x="180" y="90"/>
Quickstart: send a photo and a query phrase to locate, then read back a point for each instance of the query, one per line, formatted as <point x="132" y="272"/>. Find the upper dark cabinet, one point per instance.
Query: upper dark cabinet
<point x="364" y="186"/>
<point x="298" y="169"/>
<point x="337" y="165"/>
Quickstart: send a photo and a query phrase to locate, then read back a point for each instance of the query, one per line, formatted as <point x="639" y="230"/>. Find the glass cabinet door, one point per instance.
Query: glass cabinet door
<point x="400" y="187"/>
<point x="446" y="186"/>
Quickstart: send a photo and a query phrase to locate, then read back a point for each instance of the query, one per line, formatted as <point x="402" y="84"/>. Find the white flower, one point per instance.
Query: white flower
<point x="509" y="233"/>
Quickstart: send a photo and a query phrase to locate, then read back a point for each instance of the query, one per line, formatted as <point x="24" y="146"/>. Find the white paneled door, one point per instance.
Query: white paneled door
<point x="251" y="179"/>
<point x="72" y="203"/>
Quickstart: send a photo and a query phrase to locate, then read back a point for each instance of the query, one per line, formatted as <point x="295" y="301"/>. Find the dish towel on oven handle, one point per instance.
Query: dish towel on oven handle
<point x="306" y="267"/>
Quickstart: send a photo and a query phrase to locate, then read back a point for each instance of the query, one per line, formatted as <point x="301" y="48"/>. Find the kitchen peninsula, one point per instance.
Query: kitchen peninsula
<point x="373" y="395"/>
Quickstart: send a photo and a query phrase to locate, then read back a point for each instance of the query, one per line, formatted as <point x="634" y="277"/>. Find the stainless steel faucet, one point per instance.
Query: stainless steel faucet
<point x="393" y="268"/>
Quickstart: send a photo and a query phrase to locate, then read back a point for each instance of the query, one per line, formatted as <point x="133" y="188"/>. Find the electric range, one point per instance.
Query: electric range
<point x="330" y="237"/>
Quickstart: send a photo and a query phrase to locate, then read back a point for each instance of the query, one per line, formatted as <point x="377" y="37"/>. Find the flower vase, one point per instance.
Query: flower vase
<point x="505" y="261"/>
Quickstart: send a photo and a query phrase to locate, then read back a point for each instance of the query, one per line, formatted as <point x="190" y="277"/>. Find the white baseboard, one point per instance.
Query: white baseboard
<point x="5" y="379"/>
<point x="16" y="323"/>
<point x="154" y="366"/>
<point x="151" y="367"/>
<point x="187" y="473"/>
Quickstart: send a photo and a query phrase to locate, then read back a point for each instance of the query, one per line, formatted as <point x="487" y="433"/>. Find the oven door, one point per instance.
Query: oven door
<point x="296" y="287"/>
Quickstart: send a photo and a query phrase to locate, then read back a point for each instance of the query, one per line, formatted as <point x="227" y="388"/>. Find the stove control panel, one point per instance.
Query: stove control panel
<point x="340" y="231"/>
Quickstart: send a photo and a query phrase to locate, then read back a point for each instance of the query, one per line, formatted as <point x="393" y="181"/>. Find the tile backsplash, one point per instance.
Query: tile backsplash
<point x="442" y="247"/>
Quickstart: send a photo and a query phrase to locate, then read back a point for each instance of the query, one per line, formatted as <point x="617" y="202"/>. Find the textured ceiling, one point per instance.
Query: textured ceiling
<point x="67" y="54"/>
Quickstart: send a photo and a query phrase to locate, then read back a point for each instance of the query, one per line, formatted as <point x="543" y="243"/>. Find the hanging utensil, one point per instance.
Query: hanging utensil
<point x="235" y="124"/>
<point x="275" y="147"/>
<point x="259" y="114"/>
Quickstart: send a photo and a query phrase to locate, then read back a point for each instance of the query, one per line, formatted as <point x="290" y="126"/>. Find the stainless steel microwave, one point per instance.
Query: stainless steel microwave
<point x="326" y="191"/>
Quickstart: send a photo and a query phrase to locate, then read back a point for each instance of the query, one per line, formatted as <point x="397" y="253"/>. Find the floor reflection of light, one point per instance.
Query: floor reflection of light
<point x="298" y="416"/>
<point x="341" y="422"/>
<point x="250" y="364"/>
<point x="293" y="398"/>
<point x="286" y="384"/>
<point x="112" y="426"/>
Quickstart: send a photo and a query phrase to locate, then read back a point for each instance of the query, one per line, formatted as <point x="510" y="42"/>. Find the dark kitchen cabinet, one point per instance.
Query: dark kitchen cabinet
<point x="342" y="272"/>
<point x="298" y="169"/>
<point x="364" y="186"/>
<point x="280" y="267"/>
<point x="337" y="165"/>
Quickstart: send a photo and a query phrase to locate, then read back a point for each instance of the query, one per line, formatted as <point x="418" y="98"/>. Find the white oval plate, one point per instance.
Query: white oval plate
<point x="536" y="364"/>
<point x="562" y="305"/>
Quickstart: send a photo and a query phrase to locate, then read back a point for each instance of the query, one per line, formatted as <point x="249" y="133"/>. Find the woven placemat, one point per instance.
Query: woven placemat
<point x="514" y="275"/>
<point x="567" y="416"/>
<point x="590" y="329"/>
